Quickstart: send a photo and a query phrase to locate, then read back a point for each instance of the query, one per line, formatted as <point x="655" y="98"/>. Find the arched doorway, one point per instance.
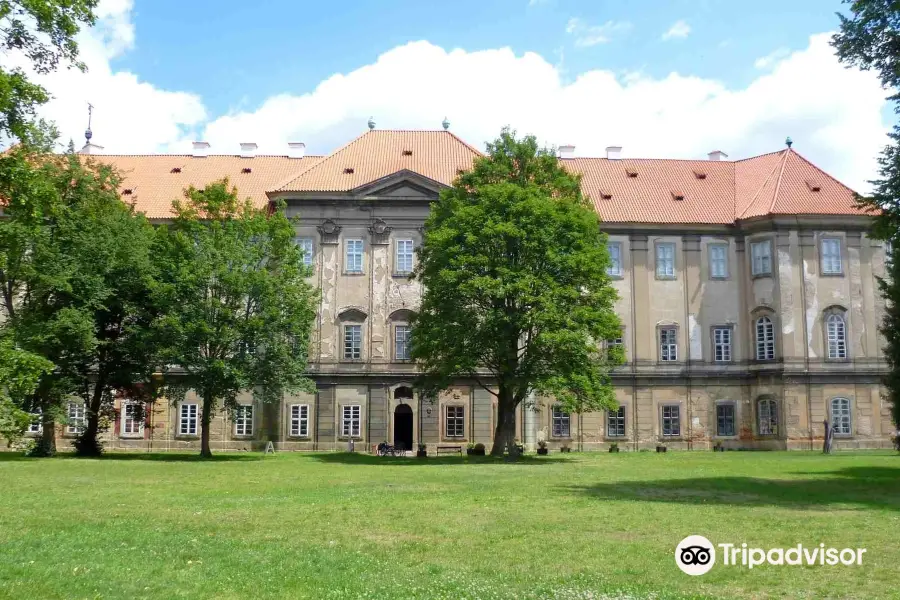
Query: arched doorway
<point x="403" y="427"/>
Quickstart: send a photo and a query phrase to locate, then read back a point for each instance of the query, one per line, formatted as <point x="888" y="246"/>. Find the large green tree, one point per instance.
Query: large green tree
<point x="238" y="311"/>
<point x="20" y="372"/>
<point x="869" y="38"/>
<point x="517" y="296"/>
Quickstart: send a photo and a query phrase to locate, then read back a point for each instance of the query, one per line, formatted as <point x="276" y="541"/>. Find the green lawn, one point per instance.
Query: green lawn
<point x="351" y="526"/>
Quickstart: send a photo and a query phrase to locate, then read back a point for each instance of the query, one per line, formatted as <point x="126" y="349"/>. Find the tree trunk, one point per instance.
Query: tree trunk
<point x="47" y="442"/>
<point x="206" y="417"/>
<point x="87" y="443"/>
<point x="505" y="433"/>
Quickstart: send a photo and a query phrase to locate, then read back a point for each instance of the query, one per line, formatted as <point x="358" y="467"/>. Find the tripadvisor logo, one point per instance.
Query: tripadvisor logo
<point x="696" y="555"/>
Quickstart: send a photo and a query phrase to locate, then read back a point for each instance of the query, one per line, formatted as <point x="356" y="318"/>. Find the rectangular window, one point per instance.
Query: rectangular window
<point x="401" y="342"/>
<point x="306" y="244"/>
<point x="718" y="261"/>
<point x="767" y="417"/>
<point x="300" y="420"/>
<point x="761" y="257"/>
<point x="404" y="259"/>
<point x="831" y="255"/>
<point x="350" y="419"/>
<point x="353" y="341"/>
<point x="560" y="423"/>
<point x="617" y="345"/>
<point x="722" y="344"/>
<point x="840" y="416"/>
<point x="455" y="422"/>
<point x="888" y="253"/>
<point x="354" y="256"/>
<point x="76" y="418"/>
<point x="132" y="418"/>
<point x="725" y="419"/>
<point x="615" y="422"/>
<point x="671" y="423"/>
<point x="668" y="344"/>
<point x="615" y="259"/>
<point x="188" y="420"/>
<point x="35" y="426"/>
<point x="665" y="260"/>
<point x="243" y="420"/>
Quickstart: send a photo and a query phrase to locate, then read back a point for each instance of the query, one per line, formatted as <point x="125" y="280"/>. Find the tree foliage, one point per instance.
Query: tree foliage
<point x="238" y="311"/>
<point x="869" y="38"/>
<point x="20" y="372"/>
<point x="517" y="297"/>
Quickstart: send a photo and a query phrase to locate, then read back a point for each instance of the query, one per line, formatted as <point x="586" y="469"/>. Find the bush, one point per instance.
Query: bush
<point x="479" y="449"/>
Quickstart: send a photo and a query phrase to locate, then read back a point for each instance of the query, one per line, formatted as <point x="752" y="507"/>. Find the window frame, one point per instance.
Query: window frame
<point x="772" y="418"/>
<point x="615" y="269"/>
<point x="458" y="421"/>
<point x="349" y="420"/>
<point x="734" y="419"/>
<point x="411" y="255"/>
<point x="397" y="328"/>
<point x="361" y="255"/>
<point x="665" y="276"/>
<point x="765" y="344"/>
<point x="189" y="419"/>
<point x="757" y="270"/>
<point x="560" y="423"/>
<point x="345" y="332"/>
<point x="840" y="342"/>
<point x="79" y="416"/>
<point x="302" y="422"/>
<point x="123" y="425"/>
<point x="676" y="420"/>
<point x="613" y="417"/>
<point x="823" y="256"/>
<point x="308" y="257"/>
<point x="243" y="428"/>
<point x="671" y="347"/>
<point x="715" y="343"/>
<point x="724" y="247"/>
<point x="845" y="418"/>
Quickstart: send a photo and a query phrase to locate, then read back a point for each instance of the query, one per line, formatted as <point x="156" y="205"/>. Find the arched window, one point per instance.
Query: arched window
<point x="836" y="336"/>
<point x="765" y="339"/>
<point x="840" y="416"/>
<point x="767" y="416"/>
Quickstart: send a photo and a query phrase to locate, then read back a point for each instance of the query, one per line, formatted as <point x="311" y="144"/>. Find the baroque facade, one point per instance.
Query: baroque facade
<point x="747" y="292"/>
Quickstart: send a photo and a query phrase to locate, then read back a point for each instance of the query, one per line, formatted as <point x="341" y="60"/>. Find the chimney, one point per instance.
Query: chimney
<point x="201" y="149"/>
<point x="566" y="151"/>
<point x="613" y="152"/>
<point x="717" y="155"/>
<point x="248" y="149"/>
<point x="296" y="149"/>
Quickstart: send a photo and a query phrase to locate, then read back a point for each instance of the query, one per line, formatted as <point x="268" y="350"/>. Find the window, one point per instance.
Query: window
<point x="831" y="256"/>
<point x="354" y="256"/>
<point x="888" y="253"/>
<point x="560" y="423"/>
<point x="836" y="334"/>
<point x="404" y="258"/>
<point x="722" y="344"/>
<point x="243" y="420"/>
<point x="665" y="260"/>
<point x="353" y="341"/>
<point x="35" y="426"/>
<point x="840" y="416"/>
<point x="617" y="345"/>
<point x="132" y="418"/>
<point x="401" y="342"/>
<point x="615" y="259"/>
<point x="188" y="420"/>
<point x="725" y="419"/>
<point x="671" y="423"/>
<point x="306" y="244"/>
<point x="718" y="261"/>
<point x="761" y="257"/>
<point x="615" y="422"/>
<point x="668" y="346"/>
<point x="765" y="339"/>
<point x="300" y="420"/>
<point x="455" y="421"/>
<point x="76" y="418"/>
<point x="767" y="416"/>
<point x="350" y="420"/>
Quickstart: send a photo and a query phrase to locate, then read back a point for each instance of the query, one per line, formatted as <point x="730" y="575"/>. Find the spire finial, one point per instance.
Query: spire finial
<point x="371" y="123"/>
<point x="789" y="141"/>
<point x="88" y="134"/>
<point x="446" y="124"/>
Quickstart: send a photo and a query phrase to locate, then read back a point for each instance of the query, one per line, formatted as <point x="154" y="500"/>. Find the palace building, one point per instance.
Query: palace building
<point x="747" y="292"/>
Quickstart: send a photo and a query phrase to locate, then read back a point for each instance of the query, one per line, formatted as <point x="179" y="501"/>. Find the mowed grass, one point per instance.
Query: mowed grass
<point x="352" y="526"/>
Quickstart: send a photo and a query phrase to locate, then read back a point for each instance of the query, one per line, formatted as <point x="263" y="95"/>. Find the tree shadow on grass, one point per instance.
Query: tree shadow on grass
<point x="848" y="488"/>
<point x="355" y="458"/>
<point x="141" y="456"/>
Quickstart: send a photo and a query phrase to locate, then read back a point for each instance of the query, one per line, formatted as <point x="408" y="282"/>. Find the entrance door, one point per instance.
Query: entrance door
<point x="403" y="427"/>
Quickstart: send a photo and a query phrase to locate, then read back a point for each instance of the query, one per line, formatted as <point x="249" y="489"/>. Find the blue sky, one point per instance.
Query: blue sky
<point x="663" y="79"/>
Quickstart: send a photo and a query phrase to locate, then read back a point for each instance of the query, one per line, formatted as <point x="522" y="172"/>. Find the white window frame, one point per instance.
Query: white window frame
<point x="188" y="417"/>
<point x="765" y="338"/>
<point x="455" y="424"/>
<point x="354" y="250"/>
<point x="36" y="426"/>
<point x="722" y="344"/>
<point x="307" y="245"/>
<point x="615" y="259"/>
<point x="718" y="265"/>
<point x="131" y="427"/>
<point x="615" y="422"/>
<point x="836" y="336"/>
<point x="243" y="420"/>
<point x="352" y="341"/>
<point x="401" y="344"/>
<point x="299" y="420"/>
<point x="665" y="260"/>
<point x="560" y="422"/>
<point x="404" y="257"/>
<point x="77" y="417"/>
<point x="841" y="416"/>
<point x="761" y="257"/>
<point x="351" y="421"/>
<point x="719" y="420"/>
<point x="668" y="344"/>
<point x="673" y="420"/>
<point x="767" y="416"/>
<point x="830" y="256"/>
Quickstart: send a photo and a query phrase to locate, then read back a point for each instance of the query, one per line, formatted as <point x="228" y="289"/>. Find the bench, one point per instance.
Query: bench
<point x="449" y="449"/>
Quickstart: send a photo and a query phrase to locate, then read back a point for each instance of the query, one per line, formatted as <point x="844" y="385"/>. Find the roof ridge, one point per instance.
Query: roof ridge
<point x="756" y="195"/>
<point x="282" y="184"/>
<point x="825" y="173"/>
<point x="758" y="156"/>
<point x="464" y="143"/>
<point x="784" y="160"/>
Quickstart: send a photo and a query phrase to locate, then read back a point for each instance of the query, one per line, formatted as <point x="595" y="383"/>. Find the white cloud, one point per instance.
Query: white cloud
<point x="591" y="35"/>
<point x="679" y="30"/>
<point x="771" y="58"/>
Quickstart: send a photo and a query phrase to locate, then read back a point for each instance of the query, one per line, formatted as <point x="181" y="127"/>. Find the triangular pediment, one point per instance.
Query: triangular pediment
<point x="404" y="184"/>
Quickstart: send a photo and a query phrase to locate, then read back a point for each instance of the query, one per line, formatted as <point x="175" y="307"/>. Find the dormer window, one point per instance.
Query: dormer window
<point x="813" y="186"/>
<point x="699" y="175"/>
<point x="678" y="196"/>
<point x="631" y="173"/>
<point x="606" y="195"/>
<point x="348" y="171"/>
<point x="176" y="170"/>
<point x="246" y="170"/>
<point x="407" y="153"/>
<point x="127" y="192"/>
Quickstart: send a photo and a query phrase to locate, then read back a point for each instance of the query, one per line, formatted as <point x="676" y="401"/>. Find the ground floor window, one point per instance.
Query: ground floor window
<point x="671" y="421"/>
<point x="840" y="416"/>
<point x="132" y="418"/>
<point x="455" y="421"/>
<point x="76" y="418"/>
<point x="560" y="423"/>
<point x="767" y="417"/>
<point x="243" y="420"/>
<point x="615" y="422"/>
<point x="725" y="419"/>
<point x="300" y="420"/>
<point x="35" y="426"/>
<point x="187" y="423"/>
<point x="350" y="420"/>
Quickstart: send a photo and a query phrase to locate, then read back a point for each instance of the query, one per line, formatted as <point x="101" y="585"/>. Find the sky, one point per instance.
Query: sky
<point x="673" y="79"/>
